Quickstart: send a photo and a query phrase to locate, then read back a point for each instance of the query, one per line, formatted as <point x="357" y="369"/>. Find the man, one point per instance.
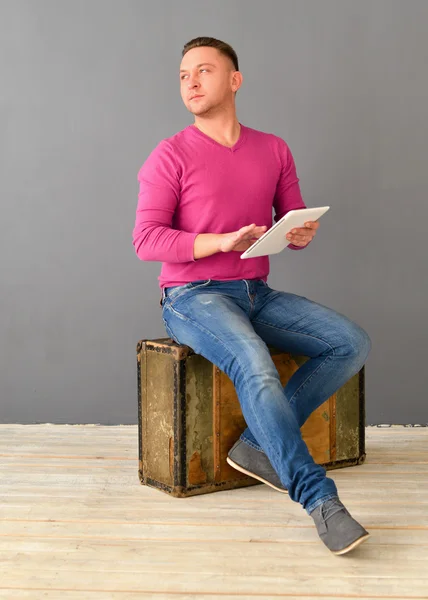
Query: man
<point x="206" y="194"/>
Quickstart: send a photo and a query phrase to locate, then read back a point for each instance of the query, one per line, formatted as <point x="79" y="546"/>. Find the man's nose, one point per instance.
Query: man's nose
<point x="192" y="83"/>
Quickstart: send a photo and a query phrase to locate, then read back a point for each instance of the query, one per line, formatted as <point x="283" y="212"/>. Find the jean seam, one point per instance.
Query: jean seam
<point x="308" y="379"/>
<point x="250" y="443"/>
<point x="169" y="332"/>
<point x="196" y="324"/>
<point x="319" y="339"/>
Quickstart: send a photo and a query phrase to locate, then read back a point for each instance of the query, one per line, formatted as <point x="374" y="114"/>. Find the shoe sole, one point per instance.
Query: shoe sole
<point x="352" y="546"/>
<point x="254" y="476"/>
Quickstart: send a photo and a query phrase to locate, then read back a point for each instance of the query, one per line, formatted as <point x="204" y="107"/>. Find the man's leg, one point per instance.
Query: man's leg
<point x="214" y="320"/>
<point x="337" y="348"/>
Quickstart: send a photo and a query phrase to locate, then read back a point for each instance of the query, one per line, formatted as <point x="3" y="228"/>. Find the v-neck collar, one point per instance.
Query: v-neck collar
<point x="238" y="143"/>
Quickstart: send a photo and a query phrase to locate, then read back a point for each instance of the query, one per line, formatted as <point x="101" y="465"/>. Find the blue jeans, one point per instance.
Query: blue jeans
<point x="231" y="323"/>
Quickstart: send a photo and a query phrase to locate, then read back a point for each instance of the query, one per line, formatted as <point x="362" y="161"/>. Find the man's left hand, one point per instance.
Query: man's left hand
<point x="301" y="236"/>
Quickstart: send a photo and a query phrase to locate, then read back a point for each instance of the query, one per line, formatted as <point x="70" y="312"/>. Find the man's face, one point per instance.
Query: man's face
<point x="208" y="80"/>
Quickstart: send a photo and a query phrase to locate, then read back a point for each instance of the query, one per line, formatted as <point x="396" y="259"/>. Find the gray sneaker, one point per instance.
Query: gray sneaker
<point x="254" y="463"/>
<point x="336" y="528"/>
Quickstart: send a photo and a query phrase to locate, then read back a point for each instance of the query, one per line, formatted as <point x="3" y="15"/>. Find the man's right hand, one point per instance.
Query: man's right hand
<point x="207" y="244"/>
<point x="242" y="239"/>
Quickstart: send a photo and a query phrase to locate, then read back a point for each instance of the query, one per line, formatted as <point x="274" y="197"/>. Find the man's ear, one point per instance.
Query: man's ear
<point x="237" y="80"/>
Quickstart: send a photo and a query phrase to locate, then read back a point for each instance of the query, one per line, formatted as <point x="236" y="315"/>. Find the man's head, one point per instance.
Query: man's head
<point x="209" y="75"/>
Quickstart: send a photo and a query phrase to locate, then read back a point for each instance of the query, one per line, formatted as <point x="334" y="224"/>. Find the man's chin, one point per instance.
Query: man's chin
<point x="199" y="111"/>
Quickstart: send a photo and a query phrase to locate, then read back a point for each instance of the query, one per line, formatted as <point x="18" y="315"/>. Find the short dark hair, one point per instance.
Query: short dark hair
<point x="222" y="47"/>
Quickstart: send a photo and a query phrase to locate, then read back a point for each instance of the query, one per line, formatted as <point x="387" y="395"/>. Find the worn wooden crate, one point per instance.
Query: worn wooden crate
<point x="189" y="417"/>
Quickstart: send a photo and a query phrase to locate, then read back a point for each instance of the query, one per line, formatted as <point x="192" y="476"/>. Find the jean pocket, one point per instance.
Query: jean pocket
<point x="172" y="292"/>
<point x="176" y="292"/>
<point x="200" y="283"/>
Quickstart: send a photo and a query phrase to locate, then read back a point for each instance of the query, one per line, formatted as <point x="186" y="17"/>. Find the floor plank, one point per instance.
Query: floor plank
<point x="76" y="523"/>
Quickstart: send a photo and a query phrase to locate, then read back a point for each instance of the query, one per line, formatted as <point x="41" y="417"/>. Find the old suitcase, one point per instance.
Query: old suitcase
<point x="189" y="417"/>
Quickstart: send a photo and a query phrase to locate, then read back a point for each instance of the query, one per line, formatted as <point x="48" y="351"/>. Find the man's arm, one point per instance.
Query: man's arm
<point x="288" y="195"/>
<point x="153" y="236"/>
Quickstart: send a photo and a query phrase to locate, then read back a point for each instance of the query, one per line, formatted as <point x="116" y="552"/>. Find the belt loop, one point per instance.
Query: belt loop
<point x="162" y="298"/>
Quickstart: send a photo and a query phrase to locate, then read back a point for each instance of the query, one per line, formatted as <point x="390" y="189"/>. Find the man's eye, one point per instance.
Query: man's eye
<point x="183" y="77"/>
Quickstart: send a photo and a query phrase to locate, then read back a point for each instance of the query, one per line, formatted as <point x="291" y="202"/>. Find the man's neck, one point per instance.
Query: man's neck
<point x="223" y="129"/>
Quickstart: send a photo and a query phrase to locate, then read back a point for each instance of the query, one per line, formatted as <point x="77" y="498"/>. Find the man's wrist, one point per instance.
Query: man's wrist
<point x="206" y="244"/>
<point x="218" y="241"/>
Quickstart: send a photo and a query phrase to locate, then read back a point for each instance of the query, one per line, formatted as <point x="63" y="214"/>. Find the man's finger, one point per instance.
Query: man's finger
<point x="252" y="229"/>
<point x="300" y="235"/>
<point x="294" y="239"/>
<point x="302" y="231"/>
<point x="312" y="224"/>
<point x="299" y="240"/>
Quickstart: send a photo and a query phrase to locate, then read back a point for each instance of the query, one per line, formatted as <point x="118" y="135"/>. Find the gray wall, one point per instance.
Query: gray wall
<point x="88" y="88"/>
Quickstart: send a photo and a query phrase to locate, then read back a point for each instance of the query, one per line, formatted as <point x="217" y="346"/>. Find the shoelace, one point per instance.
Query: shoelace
<point x="331" y="510"/>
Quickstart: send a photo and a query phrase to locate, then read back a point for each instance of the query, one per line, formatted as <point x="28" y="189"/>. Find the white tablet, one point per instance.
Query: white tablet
<point x="274" y="240"/>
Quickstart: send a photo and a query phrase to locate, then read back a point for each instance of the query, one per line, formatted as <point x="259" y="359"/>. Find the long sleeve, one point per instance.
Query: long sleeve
<point x="287" y="196"/>
<point x="159" y="193"/>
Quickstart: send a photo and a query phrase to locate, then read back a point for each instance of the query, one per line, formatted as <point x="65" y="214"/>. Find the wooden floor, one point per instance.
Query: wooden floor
<point x="75" y="523"/>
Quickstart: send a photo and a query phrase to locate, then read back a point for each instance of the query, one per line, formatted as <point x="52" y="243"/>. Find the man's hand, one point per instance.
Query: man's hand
<point x="301" y="236"/>
<point x="242" y="239"/>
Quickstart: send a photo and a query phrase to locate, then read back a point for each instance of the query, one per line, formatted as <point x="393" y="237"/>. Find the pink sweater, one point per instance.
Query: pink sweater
<point x="191" y="184"/>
